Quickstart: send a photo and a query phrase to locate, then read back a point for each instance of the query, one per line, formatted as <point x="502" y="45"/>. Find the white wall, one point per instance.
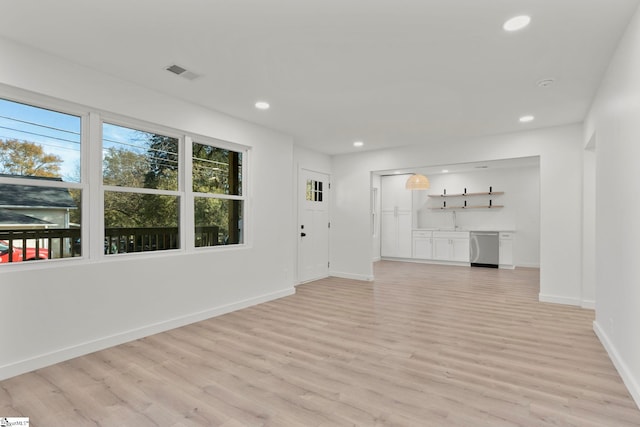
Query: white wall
<point x="614" y="121"/>
<point x="521" y="201"/>
<point x="53" y="311"/>
<point x="560" y="151"/>
<point x="589" y="260"/>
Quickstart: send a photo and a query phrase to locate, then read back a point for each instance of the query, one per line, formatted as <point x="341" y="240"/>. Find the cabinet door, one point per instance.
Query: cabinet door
<point x="506" y="252"/>
<point x="460" y="250"/>
<point x="388" y="233"/>
<point x="441" y="249"/>
<point x="422" y="248"/>
<point x="393" y="193"/>
<point x="404" y="234"/>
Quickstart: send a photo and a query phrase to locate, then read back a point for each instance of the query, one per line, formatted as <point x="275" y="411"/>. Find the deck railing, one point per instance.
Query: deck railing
<point x="66" y="242"/>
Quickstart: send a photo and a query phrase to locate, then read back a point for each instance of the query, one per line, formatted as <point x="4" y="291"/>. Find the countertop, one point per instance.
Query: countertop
<point x="500" y="230"/>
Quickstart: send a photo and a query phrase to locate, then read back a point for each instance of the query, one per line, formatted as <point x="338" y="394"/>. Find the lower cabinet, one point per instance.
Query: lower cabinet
<point x="451" y="246"/>
<point x="395" y="234"/>
<point x="422" y="245"/>
<point x="505" y="250"/>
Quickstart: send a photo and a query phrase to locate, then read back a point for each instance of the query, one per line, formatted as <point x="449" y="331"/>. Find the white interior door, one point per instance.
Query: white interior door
<point x="313" y="226"/>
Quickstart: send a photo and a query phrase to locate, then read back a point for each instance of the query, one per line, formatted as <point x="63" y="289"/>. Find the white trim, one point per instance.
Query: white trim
<point x="428" y="261"/>
<point x="40" y="361"/>
<point x="618" y="362"/>
<point x="140" y="190"/>
<point x="556" y="299"/>
<point x="342" y="275"/>
<point x="588" y="304"/>
<point x="312" y="280"/>
<point x="93" y="224"/>
<point x="527" y="265"/>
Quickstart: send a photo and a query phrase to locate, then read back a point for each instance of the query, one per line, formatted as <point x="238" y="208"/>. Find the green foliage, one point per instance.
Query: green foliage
<point x="123" y="168"/>
<point x="216" y="170"/>
<point x="75" y="215"/>
<point x="139" y="210"/>
<point x="126" y="168"/>
<point x="162" y="158"/>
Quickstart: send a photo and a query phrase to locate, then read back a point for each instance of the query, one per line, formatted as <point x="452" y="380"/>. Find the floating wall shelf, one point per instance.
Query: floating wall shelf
<point x="469" y="207"/>
<point x="493" y="193"/>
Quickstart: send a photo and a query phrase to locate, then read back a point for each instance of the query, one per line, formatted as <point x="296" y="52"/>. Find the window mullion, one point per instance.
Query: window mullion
<point x="92" y="173"/>
<point x="187" y="219"/>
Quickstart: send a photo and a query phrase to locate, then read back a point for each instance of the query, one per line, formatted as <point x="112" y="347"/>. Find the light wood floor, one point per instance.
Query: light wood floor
<point x="423" y="345"/>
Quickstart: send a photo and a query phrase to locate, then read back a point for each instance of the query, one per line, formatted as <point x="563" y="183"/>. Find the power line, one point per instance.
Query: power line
<point x="40" y="134"/>
<point x="39" y="125"/>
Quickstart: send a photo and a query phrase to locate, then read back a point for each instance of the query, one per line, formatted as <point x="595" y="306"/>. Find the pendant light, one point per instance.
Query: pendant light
<point x="417" y="182"/>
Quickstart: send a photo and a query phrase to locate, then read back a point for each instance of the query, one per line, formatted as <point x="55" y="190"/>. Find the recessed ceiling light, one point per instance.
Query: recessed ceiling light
<point x="517" y="23"/>
<point x="261" y="105"/>
<point x="445" y="170"/>
<point x="526" y="119"/>
<point x="358" y="144"/>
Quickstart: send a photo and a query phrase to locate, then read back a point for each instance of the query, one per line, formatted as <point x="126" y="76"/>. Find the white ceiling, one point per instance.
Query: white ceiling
<point x="387" y="72"/>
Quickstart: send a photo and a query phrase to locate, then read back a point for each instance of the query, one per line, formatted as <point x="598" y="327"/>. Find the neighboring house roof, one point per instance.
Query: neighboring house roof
<point x="13" y="218"/>
<point x="31" y="196"/>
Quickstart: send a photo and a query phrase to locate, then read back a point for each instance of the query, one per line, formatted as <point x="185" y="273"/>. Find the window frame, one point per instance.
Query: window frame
<point x="45" y="102"/>
<point x="191" y="195"/>
<point x="93" y="190"/>
<point x="139" y="125"/>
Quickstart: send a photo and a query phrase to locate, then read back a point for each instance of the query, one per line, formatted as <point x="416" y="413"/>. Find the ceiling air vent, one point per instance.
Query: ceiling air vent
<point x="182" y="72"/>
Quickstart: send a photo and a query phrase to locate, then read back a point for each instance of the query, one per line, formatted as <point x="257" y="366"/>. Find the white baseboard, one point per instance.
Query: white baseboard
<point x="57" y="356"/>
<point x="376" y="259"/>
<point x="632" y="383"/>
<point x="590" y="304"/>
<point x="344" y="275"/>
<point x="528" y="265"/>
<point x="559" y="300"/>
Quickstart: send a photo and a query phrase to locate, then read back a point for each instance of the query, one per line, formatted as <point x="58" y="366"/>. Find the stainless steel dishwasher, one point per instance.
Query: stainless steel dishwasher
<point x="484" y="249"/>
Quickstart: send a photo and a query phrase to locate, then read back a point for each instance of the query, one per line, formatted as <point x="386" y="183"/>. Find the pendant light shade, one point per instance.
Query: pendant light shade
<point x="417" y="182"/>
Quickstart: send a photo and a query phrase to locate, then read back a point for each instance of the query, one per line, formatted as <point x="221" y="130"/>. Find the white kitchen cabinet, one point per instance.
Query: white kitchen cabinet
<point x="460" y="249"/>
<point x="441" y="248"/>
<point x="451" y="246"/>
<point x="505" y="250"/>
<point x="395" y="217"/>
<point x="422" y="244"/>
<point x="393" y="193"/>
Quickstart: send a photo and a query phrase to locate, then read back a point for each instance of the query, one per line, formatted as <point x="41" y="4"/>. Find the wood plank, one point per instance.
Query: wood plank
<point x="423" y="344"/>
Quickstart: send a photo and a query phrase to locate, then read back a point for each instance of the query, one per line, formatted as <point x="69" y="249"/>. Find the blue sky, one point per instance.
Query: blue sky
<point x="57" y="133"/>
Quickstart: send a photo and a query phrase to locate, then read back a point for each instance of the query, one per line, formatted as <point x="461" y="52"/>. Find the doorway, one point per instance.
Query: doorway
<point x="313" y="225"/>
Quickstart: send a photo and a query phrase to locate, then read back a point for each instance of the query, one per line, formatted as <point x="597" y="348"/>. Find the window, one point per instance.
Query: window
<point x="314" y="190"/>
<point x="40" y="183"/>
<point x="153" y="183"/>
<point x="141" y="198"/>
<point x="218" y="196"/>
